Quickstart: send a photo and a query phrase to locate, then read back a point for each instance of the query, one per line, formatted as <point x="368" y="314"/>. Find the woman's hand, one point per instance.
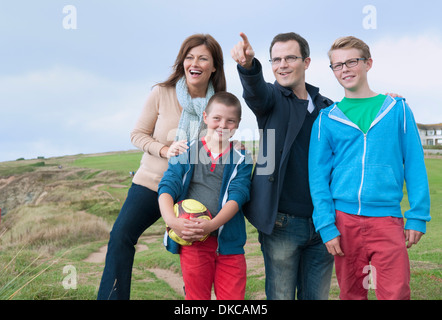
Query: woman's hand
<point x="176" y="148"/>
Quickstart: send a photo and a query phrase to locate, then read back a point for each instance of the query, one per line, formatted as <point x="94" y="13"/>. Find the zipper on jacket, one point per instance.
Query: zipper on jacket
<point x="351" y="124"/>
<point x="226" y="193"/>
<point x="185" y="175"/>
<point x="363" y="172"/>
<point x="188" y="161"/>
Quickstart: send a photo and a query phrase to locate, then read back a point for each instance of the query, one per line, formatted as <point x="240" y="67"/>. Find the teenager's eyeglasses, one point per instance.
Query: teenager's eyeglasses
<point x="349" y="63"/>
<point x="289" y="59"/>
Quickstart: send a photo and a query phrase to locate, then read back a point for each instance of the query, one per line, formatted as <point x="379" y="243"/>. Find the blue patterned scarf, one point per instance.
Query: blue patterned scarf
<point x="191" y="121"/>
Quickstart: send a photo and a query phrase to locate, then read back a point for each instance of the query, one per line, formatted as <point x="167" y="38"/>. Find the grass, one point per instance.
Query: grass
<point x="429" y="248"/>
<point x="121" y="162"/>
<point x="19" y="168"/>
<point x="83" y="200"/>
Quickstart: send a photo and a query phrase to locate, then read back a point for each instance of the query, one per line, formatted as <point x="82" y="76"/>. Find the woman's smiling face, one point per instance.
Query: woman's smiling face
<point x="198" y="67"/>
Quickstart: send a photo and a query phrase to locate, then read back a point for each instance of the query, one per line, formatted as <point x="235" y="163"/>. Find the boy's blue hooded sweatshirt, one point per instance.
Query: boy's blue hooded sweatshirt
<point x="363" y="174"/>
<point x="235" y="186"/>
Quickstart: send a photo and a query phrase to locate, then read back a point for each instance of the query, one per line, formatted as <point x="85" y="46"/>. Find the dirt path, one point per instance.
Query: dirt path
<point x="174" y="280"/>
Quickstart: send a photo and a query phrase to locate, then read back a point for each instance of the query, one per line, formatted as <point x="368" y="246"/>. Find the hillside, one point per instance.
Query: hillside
<point x="56" y="218"/>
<point x="57" y="214"/>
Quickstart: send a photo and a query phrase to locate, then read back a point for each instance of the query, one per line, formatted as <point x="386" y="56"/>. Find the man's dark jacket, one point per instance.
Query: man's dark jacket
<point x="280" y="115"/>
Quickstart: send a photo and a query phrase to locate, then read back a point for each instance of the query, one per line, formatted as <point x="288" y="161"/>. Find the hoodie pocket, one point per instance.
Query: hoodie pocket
<point x="380" y="185"/>
<point x="345" y="183"/>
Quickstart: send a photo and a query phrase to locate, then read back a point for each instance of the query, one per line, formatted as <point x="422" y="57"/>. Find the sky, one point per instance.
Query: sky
<point x="75" y="74"/>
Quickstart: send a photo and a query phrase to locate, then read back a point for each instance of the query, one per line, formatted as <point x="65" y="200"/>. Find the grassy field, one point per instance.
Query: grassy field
<point x="68" y="205"/>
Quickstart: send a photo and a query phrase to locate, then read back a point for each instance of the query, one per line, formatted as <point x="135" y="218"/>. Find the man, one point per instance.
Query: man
<point x="296" y="261"/>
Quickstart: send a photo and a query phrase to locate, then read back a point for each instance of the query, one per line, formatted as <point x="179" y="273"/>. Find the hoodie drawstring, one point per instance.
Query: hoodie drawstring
<point x="405" y="119"/>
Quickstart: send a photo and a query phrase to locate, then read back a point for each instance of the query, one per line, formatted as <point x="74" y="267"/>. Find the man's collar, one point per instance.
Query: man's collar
<point x="312" y="90"/>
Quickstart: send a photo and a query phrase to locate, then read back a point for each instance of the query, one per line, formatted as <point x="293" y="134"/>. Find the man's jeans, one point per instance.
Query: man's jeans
<point x="140" y="211"/>
<point x="296" y="261"/>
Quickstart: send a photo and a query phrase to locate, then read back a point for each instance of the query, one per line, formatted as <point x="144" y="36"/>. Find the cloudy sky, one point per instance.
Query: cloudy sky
<point x="74" y="74"/>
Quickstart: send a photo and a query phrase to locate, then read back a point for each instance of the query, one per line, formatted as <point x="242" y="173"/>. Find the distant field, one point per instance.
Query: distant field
<point x="80" y="197"/>
<point x="120" y="162"/>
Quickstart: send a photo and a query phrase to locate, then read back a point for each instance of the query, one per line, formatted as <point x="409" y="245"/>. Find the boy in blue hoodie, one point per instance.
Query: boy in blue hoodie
<point x="216" y="174"/>
<point x="361" y="151"/>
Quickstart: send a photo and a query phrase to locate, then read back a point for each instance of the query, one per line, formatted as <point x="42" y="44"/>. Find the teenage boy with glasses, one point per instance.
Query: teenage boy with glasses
<point x="361" y="150"/>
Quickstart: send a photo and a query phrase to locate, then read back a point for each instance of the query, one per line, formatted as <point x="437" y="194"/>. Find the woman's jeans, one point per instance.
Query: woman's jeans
<point x="140" y="211"/>
<point x="296" y="261"/>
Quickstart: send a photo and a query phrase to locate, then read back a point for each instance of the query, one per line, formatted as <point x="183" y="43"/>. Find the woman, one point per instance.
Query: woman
<point x="173" y="111"/>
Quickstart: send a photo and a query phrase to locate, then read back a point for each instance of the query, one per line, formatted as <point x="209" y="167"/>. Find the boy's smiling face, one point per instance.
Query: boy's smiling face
<point x="355" y="77"/>
<point x="222" y="122"/>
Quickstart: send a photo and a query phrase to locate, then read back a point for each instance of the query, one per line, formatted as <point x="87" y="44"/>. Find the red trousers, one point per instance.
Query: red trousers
<point x="372" y="245"/>
<point x="203" y="267"/>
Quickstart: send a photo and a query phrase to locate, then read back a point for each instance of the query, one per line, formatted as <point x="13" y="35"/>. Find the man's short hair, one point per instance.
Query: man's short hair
<point x="351" y="42"/>
<point x="227" y="99"/>
<point x="284" y="37"/>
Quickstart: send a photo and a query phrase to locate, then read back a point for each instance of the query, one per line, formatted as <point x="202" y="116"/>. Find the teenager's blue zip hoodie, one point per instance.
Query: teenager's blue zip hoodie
<point x="363" y="174"/>
<point x="235" y="186"/>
